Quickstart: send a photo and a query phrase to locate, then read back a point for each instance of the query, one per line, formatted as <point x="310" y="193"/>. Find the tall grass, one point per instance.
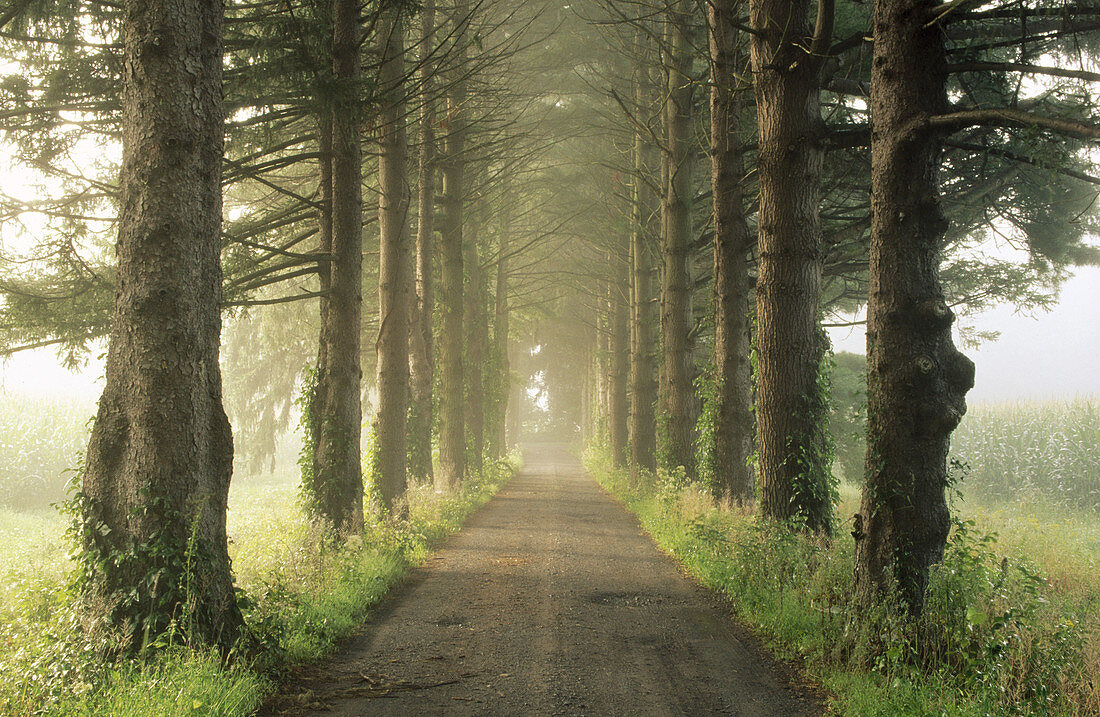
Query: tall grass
<point x="301" y="595"/>
<point x="40" y="444"/>
<point x="1032" y="450"/>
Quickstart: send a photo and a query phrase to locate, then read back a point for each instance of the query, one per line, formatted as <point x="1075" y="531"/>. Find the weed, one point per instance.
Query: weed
<point x="300" y="594"/>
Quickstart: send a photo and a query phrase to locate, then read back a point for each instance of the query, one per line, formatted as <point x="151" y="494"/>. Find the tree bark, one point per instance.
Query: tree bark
<point x="643" y="387"/>
<point x="452" y="433"/>
<point x="793" y="472"/>
<point x="337" y="473"/>
<point x="676" y="376"/>
<point x="421" y="348"/>
<point x="161" y="452"/>
<point x="917" y="380"/>
<point x="603" y="358"/>
<point x="475" y="322"/>
<point x="619" y="348"/>
<point x="733" y="432"/>
<point x="503" y="388"/>
<point x="316" y="396"/>
<point x="394" y="276"/>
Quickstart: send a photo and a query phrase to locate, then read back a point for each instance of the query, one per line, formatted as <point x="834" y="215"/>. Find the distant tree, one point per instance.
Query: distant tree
<point x="421" y="334"/>
<point x="787" y="56"/>
<point x="337" y="479"/>
<point x="394" y="271"/>
<point x="643" y="436"/>
<point x="160" y="456"/>
<point x="619" y="350"/>
<point x="734" y="425"/>
<point x="452" y="432"/>
<point x="475" y="325"/>
<point x="677" y="419"/>
<point x="500" y="390"/>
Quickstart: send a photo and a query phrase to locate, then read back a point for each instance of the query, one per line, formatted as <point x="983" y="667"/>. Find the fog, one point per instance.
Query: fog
<point x="1038" y="356"/>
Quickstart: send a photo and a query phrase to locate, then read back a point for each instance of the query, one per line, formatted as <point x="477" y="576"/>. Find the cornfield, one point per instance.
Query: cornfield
<point x="1048" y="450"/>
<point x="41" y="441"/>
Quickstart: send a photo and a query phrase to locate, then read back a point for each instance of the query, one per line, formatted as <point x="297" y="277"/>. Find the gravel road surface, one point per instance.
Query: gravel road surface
<point x="551" y="601"/>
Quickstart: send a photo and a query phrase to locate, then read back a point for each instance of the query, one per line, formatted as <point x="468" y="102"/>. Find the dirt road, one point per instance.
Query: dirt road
<point x="551" y="601"/>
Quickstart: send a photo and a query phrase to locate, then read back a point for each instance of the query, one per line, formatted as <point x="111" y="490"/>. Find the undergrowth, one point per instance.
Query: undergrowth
<point x="300" y="592"/>
<point x="996" y="638"/>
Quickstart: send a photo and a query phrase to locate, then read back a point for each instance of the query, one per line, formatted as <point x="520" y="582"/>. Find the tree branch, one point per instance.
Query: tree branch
<point x="1007" y="117"/>
<point x="1021" y="67"/>
<point x="823" y="29"/>
<point x="1023" y="159"/>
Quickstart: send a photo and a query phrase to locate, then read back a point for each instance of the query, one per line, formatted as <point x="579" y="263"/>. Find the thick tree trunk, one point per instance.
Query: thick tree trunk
<point x="421" y="360"/>
<point x="337" y="474"/>
<point x="643" y="387"/>
<point x="793" y="471"/>
<point x="475" y="322"/>
<point x="394" y="275"/>
<point x="733" y="433"/>
<point x="676" y="375"/>
<point x="917" y="380"/>
<point x="161" y="451"/>
<point x="452" y="433"/>
<point x="619" y="347"/>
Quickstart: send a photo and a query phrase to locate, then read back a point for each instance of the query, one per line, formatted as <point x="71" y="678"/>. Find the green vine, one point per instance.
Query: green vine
<point x="815" y="489"/>
<point x="146" y="589"/>
<point x="308" y="453"/>
<point x="706" y="428"/>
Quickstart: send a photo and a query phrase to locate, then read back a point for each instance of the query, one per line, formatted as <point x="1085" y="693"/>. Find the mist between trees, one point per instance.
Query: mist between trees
<point x="426" y="231"/>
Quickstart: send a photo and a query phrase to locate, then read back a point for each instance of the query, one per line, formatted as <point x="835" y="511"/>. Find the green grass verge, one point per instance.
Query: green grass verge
<point x="997" y="637"/>
<point x="303" y="596"/>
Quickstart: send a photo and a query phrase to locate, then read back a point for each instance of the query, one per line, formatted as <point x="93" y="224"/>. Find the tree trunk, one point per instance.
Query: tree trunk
<point x="394" y="290"/>
<point x="503" y="387"/>
<point x="679" y="398"/>
<point x="517" y="394"/>
<point x="337" y="473"/>
<point x="603" y="359"/>
<point x="477" y="330"/>
<point x="793" y="471"/>
<point x="452" y="433"/>
<point x="421" y="360"/>
<point x="619" y="347"/>
<point x="643" y="388"/>
<point x="917" y="380"/>
<point x="316" y="396"/>
<point x="733" y="432"/>
<point x="161" y="452"/>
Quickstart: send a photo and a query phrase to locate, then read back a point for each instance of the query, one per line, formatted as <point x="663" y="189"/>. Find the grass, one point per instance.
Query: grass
<point x="303" y="596"/>
<point x="1010" y="628"/>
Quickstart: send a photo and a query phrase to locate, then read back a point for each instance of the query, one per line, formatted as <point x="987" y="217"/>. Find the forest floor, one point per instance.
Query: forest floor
<point x="551" y="601"/>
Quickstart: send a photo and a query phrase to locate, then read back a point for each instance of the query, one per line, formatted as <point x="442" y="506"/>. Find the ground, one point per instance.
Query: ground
<point x="551" y="601"/>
